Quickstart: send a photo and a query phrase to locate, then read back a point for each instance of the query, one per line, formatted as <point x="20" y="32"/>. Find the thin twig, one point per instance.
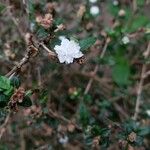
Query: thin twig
<point x="23" y="61"/>
<point x="147" y="2"/>
<point x="147" y="74"/>
<point x="32" y="52"/>
<point x="60" y="117"/>
<point x="47" y="49"/>
<point x="140" y="87"/>
<point x="4" y="125"/>
<point x="14" y="20"/>
<point x="39" y="76"/>
<point x="96" y="67"/>
<point x="134" y="5"/>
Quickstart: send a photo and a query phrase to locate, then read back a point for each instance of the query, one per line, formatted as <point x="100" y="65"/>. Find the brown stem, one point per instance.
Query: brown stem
<point x="140" y="87"/>
<point x="4" y="125"/>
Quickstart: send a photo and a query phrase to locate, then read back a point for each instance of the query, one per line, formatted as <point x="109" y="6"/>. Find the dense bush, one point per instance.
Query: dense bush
<point x="74" y="74"/>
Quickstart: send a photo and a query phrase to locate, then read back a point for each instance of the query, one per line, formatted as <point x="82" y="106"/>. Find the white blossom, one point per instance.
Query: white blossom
<point x="121" y="13"/>
<point x="94" y="10"/>
<point x="115" y="2"/>
<point x="68" y="50"/>
<point x="148" y="112"/>
<point x="93" y="1"/>
<point x="62" y="37"/>
<point x="125" y="40"/>
<point x="63" y="140"/>
<point x="32" y="26"/>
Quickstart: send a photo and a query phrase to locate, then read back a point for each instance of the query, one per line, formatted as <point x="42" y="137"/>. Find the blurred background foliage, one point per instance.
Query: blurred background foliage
<point x="60" y="113"/>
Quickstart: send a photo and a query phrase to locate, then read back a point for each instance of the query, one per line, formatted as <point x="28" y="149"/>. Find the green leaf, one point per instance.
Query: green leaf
<point x="87" y="43"/>
<point x="31" y="8"/>
<point x="15" y="82"/>
<point x="144" y="131"/>
<point x="105" y="132"/>
<point x="3" y="100"/>
<point x="139" y="21"/>
<point x="84" y="115"/>
<point x="113" y="9"/>
<point x="121" y="72"/>
<point x="55" y="42"/>
<point x="9" y="92"/>
<point x="96" y="130"/>
<point x="5" y="86"/>
<point x="26" y="102"/>
<point x="2" y="7"/>
<point x="140" y="2"/>
<point x="41" y="33"/>
<point x="4" y="83"/>
<point x="58" y="21"/>
<point x="29" y="93"/>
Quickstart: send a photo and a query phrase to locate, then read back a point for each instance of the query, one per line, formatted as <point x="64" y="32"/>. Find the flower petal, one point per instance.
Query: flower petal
<point x="68" y="50"/>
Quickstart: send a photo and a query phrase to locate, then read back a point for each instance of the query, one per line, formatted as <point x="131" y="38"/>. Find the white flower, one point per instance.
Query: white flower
<point x="121" y="13"/>
<point x="93" y="1"/>
<point x="125" y="40"/>
<point x="148" y="112"/>
<point x="68" y="50"/>
<point x="32" y="26"/>
<point x="62" y="37"/>
<point x="94" y="10"/>
<point x="115" y="2"/>
<point x="63" y="140"/>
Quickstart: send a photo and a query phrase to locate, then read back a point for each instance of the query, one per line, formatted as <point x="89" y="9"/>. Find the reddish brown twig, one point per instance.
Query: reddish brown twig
<point x="4" y="125"/>
<point x="140" y="87"/>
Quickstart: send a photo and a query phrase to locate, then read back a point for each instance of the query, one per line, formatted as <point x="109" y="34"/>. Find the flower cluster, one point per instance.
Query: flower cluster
<point x="45" y="21"/>
<point x="16" y="98"/>
<point x="125" y="40"/>
<point x="68" y="51"/>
